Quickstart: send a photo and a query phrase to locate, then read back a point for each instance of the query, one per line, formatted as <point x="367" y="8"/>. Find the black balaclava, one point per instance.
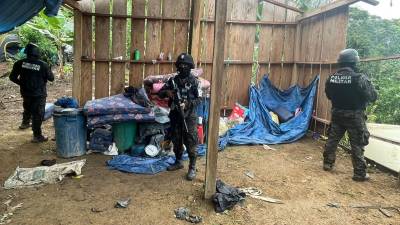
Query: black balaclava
<point x="351" y="65"/>
<point x="32" y="51"/>
<point x="183" y="70"/>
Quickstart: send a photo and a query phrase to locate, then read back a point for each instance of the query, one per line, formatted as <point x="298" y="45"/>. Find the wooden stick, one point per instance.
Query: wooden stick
<point x="285" y="6"/>
<point x="380" y="58"/>
<point x="244" y="22"/>
<point x="15" y="100"/>
<point x="215" y="105"/>
<point x="332" y="6"/>
<point x="73" y="4"/>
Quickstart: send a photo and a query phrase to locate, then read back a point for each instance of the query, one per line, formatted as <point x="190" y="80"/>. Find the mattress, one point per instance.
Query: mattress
<point x="117" y="104"/>
<point x="95" y="121"/>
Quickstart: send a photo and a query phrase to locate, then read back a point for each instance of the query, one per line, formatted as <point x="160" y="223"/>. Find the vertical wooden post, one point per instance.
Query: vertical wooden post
<point x="297" y="44"/>
<point x="198" y="6"/>
<point x="87" y="52"/>
<point x="216" y="84"/>
<point x="102" y="50"/>
<point x="118" y="47"/>
<point x="77" y="71"/>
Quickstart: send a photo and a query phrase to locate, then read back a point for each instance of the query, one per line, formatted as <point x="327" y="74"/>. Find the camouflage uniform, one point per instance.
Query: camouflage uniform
<point x="350" y="93"/>
<point x="179" y="134"/>
<point x="185" y="86"/>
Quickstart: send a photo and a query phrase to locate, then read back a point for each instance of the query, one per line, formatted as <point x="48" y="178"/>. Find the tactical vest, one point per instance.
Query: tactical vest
<point x="344" y="86"/>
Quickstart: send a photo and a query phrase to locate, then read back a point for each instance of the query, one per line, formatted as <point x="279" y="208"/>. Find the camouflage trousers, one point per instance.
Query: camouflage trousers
<point x="180" y="137"/>
<point x="353" y="122"/>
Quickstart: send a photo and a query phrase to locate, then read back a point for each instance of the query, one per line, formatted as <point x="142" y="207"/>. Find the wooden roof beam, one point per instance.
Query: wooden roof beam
<point x="332" y="6"/>
<point x="286" y="6"/>
<point x="371" y="2"/>
<point x="73" y="4"/>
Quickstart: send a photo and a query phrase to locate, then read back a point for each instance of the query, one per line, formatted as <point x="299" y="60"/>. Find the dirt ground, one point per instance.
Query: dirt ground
<point x="292" y="173"/>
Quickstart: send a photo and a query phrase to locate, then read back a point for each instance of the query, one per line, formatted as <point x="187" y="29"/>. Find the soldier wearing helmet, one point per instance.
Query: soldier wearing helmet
<point x="350" y="93"/>
<point x="183" y="92"/>
<point x="32" y="74"/>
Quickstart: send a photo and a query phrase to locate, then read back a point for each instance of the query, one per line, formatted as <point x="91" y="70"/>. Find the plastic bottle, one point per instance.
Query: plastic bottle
<point x="200" y="130"/>
<point x="136" y="55"/>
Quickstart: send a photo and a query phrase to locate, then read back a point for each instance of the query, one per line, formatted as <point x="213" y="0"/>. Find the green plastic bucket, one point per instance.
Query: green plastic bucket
<point x="124" y="135"/>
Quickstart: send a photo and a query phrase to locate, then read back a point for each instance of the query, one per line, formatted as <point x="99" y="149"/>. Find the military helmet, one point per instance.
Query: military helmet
<point x="348" y="56"/>
<point x="185" y="59"/>
<point x="32" y="50"/>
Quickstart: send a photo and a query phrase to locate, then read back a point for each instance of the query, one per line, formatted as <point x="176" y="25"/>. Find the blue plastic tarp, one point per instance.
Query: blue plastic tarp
<point x="259" y="128"/>
<point x="14" y="13"/>
<point x="140" y="165"/>
<point x="143" y="165"/>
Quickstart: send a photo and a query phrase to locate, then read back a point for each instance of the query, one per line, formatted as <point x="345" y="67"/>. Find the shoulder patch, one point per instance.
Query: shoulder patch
<point x="30" y="66"/>
<point x="340" y="79"/>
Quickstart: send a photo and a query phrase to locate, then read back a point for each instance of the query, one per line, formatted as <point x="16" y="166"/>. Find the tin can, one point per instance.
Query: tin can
<point x="169" y="58"/>
<point x="136" y="55"/>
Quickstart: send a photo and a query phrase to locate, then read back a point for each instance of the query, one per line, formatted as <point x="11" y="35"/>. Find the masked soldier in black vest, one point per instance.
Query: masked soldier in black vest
<point x="32" y="74"/>
<point x="183" y="90"/>
<point x="350" y="93"/>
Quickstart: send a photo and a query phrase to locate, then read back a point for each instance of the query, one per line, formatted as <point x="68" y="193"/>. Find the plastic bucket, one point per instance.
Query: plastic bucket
<point x="124" y="135"/>
<point x="70" y="129"/>
<point x="48" y="111"/>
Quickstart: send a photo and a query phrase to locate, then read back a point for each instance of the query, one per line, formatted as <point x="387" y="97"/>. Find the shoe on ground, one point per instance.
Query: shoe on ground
<point x="191" y="174"/>
<point x="176" y="166"/>
<point x="327" y="167"/>
<point x="361" y="178"/>
<point x="39" y="139"/>
<point x="24" y="126"/>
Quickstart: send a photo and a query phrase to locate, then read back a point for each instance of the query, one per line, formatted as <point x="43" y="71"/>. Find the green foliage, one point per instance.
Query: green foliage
<point x="49" y="33"/>
<point x="373" y="36"/>
<point x="68" y="69"/>
<point x="48" y="49"/>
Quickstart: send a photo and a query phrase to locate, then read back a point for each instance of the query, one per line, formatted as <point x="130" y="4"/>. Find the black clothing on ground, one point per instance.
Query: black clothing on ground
<point x="226" y="197"/>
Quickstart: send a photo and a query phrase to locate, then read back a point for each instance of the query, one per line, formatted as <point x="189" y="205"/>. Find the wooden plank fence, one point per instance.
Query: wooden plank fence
<point x="291" y="50"/>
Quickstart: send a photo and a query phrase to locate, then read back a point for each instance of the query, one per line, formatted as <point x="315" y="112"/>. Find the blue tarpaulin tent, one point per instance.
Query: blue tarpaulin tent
<point x="259" y="128"/>
<point x="14" y="13"/>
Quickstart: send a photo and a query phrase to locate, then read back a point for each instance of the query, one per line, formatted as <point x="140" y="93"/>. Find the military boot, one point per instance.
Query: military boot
<point x="192" y="170"/>
<point x="24" y="125"/>
<point x="328" y="167"/>
<point x="176" y="166"/>
<point x="39" y="139"/>
<point x="359" y="178"/>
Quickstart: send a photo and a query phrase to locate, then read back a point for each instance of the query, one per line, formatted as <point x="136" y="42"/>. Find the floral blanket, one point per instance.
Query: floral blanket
<point x="117" y="104"/>
<point x="95" y="121"/>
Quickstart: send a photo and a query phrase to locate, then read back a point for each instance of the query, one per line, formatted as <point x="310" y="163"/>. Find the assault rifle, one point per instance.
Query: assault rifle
<point x="178" y="101"/>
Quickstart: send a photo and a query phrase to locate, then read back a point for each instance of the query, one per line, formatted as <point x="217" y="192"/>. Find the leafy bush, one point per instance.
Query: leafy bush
<point x="372" y="37"/>
<point x="48" y="49"/>
<point x="49" y="33"/>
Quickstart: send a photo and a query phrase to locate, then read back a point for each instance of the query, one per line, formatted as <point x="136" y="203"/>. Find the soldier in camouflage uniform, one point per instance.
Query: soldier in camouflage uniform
<point x="350" y="93"/>
<point x="183" y="116"/>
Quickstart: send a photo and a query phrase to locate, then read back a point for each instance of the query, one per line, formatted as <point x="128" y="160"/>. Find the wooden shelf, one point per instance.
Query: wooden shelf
<point x="134" y="17"/>
<point x="127" y="61"/>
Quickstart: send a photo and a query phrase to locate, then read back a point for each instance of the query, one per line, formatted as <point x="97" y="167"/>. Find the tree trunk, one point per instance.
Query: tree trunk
<point x="61" y="59"/>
